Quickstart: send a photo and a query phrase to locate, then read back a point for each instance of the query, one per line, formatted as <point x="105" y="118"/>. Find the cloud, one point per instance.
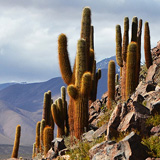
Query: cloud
<point x="29" y="31"/>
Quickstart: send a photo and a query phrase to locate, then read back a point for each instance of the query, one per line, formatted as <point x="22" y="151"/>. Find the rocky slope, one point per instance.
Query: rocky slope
<point x="129" y="128"/>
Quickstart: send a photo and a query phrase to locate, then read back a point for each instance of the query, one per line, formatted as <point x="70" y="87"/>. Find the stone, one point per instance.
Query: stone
<point x="150" y="87"/>
<point x="58" y="144"/>
<point x="51" y="154"/>
<point x="155" y="130"/>
<point x="151" y="73"/>
<point x="155" y="108"/>
<point x="88" y="136"/>
<point x="100" y="131"/>
<point x="93" y="117"/>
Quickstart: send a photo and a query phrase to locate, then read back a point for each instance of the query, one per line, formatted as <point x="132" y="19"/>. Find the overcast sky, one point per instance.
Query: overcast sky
<point x="29" y="31"/>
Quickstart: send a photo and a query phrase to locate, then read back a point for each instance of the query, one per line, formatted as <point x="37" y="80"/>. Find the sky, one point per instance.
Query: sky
<point x="29" y="31"/>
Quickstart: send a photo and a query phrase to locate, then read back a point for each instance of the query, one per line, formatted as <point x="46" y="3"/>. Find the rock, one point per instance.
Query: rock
<point x="51" y="154"/>
<point x="151" y="73"/>
<point x="93" y="117"/>
<point x="92" y="127"/>
<point x="99" y="132"/>
<point x="114" y="122"/>
<point x="155" y="108"/>
<point x="128" y="148"/>
<point x="150" y="87"/>
<point x="155" y="130"/>
<point x="135" y="118"/>
<point x="63" y="152"/>
<point x="149" y="158"/>
<point x="99" y="148"/>
<point x="58" y="144"/>
<point x="88" y="136"/>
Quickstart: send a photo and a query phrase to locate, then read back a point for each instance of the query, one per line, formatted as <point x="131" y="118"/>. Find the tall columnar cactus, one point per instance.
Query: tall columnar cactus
<point x="147" y="46"/>
<point x="34" y="150"/>
<point x="85" y="31"/>
<point x="58" y="116"/>
<point x="134" y="29"/>
<point x="47" y="107"/>
<point x="68" y="75"/>
<point x="38" y="136"/>
<point x="116" y="79"/>
<point x="80" y="91"/>
<point x="119" y="46"/>
<point x="64" y="103"/>
<point x="92" y="38"/>
<point x="111" y="84"/>
<point x="16" y="142"/>
<point x="47" y="138"/>
<point x="42" y="126"/>
<point x="124" y="56"/>
<point x="138" y="56"/>
<point x="131" y="64"/>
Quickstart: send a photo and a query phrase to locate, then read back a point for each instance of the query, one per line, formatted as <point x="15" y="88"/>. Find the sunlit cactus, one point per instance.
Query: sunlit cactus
<point x="16" y="142"/>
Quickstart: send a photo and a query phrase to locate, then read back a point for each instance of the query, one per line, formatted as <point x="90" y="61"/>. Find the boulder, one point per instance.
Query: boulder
<point x="58" y="144"/>
<point x="128" y="148"/>
<point x="155" y="108"/>
<point x="88" y="136"/>
<point x="155" y="130"/>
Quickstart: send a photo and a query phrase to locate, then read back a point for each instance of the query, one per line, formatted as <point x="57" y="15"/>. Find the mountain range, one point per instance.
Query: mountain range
<point x="22" y="103"/>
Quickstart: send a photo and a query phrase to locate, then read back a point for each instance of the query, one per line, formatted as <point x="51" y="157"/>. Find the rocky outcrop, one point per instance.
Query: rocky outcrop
<point x="128" y="148"/>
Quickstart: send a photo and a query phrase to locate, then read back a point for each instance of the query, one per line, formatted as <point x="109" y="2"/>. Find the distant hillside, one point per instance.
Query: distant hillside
<point x="5" y="85"/>
<point x="22" y="104"/>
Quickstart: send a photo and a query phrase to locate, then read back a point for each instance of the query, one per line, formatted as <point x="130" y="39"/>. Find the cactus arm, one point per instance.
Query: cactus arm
<point x="72" y="91"/>
<point x="134" y="29"/>
<point x="64" y="62"/>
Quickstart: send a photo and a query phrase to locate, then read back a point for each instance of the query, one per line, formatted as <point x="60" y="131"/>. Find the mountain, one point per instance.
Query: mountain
<point x="5" y="85"/>
<point x="22" y="103"/>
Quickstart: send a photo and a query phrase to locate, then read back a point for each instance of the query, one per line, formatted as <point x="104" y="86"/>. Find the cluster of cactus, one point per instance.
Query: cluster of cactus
<point x="16" y="142"/>
<point x="82" y="78"/>
<point x="124" y="49"/>
<point x="47" y="122"/>
<point x="60" y="114"/>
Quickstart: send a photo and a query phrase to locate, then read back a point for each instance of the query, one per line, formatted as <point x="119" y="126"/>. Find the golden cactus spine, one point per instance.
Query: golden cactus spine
<point x="147" y="45"/>
<point x="134" y="29"/>
<point x="34" y="150"/>
<point x="131" y="64"/>
<point x="124" y="56"/>
<point x="119" y="46"/>
<point x="80" y="91"/>
<point x="92" y="38"/>
<point x="111" y="84"/>
<point x="16" y="142"/>
<point x="47" y="138"/>
<point x="58" y="116"/>
<point x="46" y="107"/>
<point x="85" y="31"/>
<point x="116" y="79"/>
<point x="38" y="137"/>
<point x="42" y="126"/>
<point x="138" y="56"/>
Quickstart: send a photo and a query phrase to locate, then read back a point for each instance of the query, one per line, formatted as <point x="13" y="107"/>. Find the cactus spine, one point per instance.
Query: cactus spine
<point x="119" y="46"/>
<point x="92" y="38"/>
<point x="134" y="29"/>
<point x="34" y="150"/>
<point x="47" y="138"/>
<point x="131" y="64"/>
<point x="117" y="79"/>
<point x="138" y="56"/>
<point x="124" y="55"/>
<point x="38" y="136"/>
<point x="111" y="83"/>
<point x="147" y="45"/>
<point x="42" y="126"/>
<point x="16" y="142"/>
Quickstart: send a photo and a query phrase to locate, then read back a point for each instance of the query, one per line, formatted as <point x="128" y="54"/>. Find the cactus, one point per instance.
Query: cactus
<point x="116" y="79"/>
<point x="58" y="116"/>
<point x="134" y="29"/>
<point x="34" y="150"/>
<point x="111" y="83"/>
<point x="147" y="46"/>
<point x="130" y="69"/>
<point x="42" y="126"/>
<point x="47" y="138"/>
<point x="119" y="46"/>
<point x="64" y="103"/>
<point x="85" y="31"/>
<point x="38" y="136"/>
<point x="92" y="38"/>
<point x="138" y="56"/>
<point x="124" y="56"/>
<point x="16" y="142"/>
<point x="46" y="108"/>
<point x="80" y="91"/>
